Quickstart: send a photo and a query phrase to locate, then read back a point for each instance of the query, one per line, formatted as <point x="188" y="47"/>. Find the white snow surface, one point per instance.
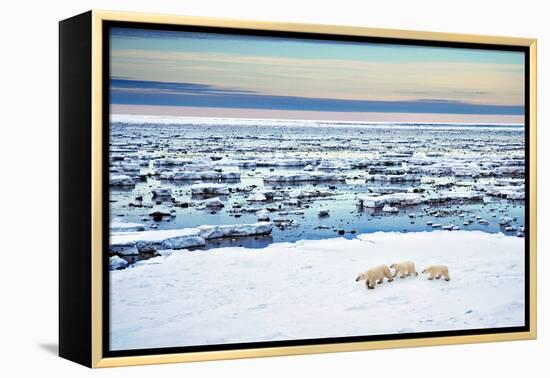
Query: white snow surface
<point x="307" y="290"/>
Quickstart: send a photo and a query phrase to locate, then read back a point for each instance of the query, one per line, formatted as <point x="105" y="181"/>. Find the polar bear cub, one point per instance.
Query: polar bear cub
<point x="437" y="271"/>
<point x="404" y="269"/>
<point x="375" y="276"/>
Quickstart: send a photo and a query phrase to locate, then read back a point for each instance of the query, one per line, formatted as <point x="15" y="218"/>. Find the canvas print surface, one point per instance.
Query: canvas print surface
<point x="268" y="188"/>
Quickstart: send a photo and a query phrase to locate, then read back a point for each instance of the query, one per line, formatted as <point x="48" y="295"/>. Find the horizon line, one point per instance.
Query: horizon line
<point x="503" y="124"/>
<point x="181" y="112"/>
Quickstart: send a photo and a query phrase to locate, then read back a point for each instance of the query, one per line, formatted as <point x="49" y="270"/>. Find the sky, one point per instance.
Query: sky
<point x="206" y="74"/>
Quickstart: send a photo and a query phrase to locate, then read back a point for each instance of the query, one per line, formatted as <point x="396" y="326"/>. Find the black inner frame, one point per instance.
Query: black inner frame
<point x="300" y="35"/>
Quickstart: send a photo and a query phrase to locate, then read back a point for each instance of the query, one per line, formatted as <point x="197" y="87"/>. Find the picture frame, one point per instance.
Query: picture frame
<point x="85" y="110"/>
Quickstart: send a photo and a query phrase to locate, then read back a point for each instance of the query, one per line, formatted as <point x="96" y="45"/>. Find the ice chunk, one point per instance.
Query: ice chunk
<point x="184" y="241"/>
<point x="189" y="176"/>
<point x="257" y="196"/>
<point x="209" y="189"/>
<point x="299" y="177"/>
<point x="221" y="231"/>
<point x="388" y="189"/>
<point x="514" y="195"/>
<point x="309" y="194"/>
<point x="510" y="171"/>
<point x="455" y="196"/>
<point x="146" y="241"/>
<point x="505" y="221"/>
<point x="287" y="162"/>
<point x="262" y="215"/>
<point x="324" y="212"/>
<point x="170" y="162"/>
<point x="230" y="176"/>
<point x="512" y="192"/>
<point x="160" y="211"/>
<point x="390" y="209"/>
<point x="261" y="195"/>
<point x="118" y="225"/>
<point x="121" y="181"/>
<point x="388" y="199"/>
<point x="124" y="248"/>
<point x="394" y="178"/>
<point x="293" y="202"/>
<point x="213" y="203"/>
<point x="162" y="192"/>
<point x="126" y="168"/>
<point x="116" y="263"/>
<point x="328" y="165"/>
<point x="466" y="171"/>
<point x="509" y="182"/>
<point x="199" y="175"/>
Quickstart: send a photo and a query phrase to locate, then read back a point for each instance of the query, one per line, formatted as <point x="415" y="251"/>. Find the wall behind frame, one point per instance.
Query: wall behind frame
<point x="29" y="149"/>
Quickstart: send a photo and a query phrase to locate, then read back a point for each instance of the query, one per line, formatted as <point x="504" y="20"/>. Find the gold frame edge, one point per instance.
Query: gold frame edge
<point x="98" y="16"/>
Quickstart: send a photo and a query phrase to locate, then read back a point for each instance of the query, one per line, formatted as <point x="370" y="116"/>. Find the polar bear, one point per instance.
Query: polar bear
<point x="437" y="271"/>
<point x="375" y="276"/>
<point x="404" y="269"/>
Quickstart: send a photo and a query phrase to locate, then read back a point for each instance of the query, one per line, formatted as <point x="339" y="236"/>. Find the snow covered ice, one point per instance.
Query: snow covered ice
<point x="307" y="289"/>
<point x="152" y="241"/>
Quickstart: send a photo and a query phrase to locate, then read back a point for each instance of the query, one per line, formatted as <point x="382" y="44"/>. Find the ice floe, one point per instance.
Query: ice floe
<point x="212" y="203"/>
<point x="200" y="175"/>
<point x="132" y="243"/>
<point x="117" y="225"/>
<point x="222" y="231"/>
<point x="389" y="199"/>
<point x="121" y="181"/>
<point x="162" y="192"/>
<point x="394" y="178"/>
<point x="304" y="177"/>
<point x="210" y="189"/>
<point x="161" y="210"/>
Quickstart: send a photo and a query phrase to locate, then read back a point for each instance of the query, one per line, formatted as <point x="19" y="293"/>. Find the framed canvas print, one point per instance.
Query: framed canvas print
<point x="235" y="189"/>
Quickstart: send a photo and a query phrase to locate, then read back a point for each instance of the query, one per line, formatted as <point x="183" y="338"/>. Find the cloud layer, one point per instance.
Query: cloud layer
<point x="200" y="70"/>
<point x="133" y="92"/>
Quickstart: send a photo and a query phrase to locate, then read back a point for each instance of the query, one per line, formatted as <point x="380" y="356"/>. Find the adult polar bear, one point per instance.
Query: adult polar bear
<point x="375" y="276"/>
